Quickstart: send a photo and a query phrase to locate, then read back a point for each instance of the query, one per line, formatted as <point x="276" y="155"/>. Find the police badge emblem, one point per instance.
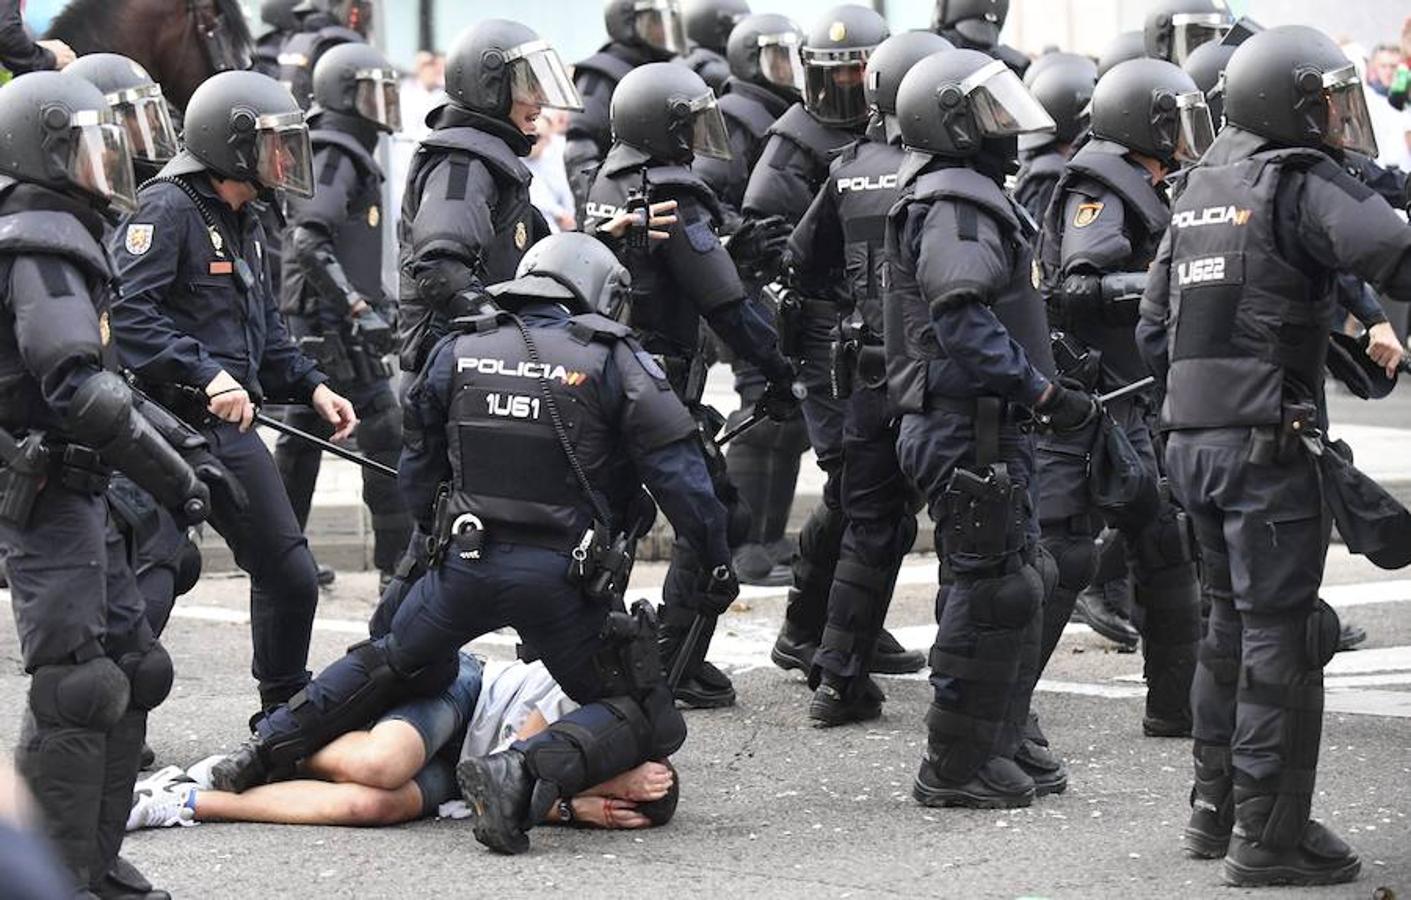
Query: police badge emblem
<point x="374" y="216"/>
<point x="521" y="236"/>
<point x="837" y="31"/>
<point x="1087" y="214"/>
<point x="217" y="241"/>
<point x="105" y="329"/>
<point x="139" y="239"/>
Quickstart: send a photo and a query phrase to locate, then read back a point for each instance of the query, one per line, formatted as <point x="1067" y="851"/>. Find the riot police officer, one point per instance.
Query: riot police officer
<point x="838" y="251"/>
<point x="708" y="27"/>
<point x="975" y="25"/>
<point x="67" y="419"/>
<point x="333" y="299"/>
<point x="466" y="217"/>
<point x="793" y="168"/>
<point x="138" y="105"/>
<point x="491" y="417"/>
<point x="278" y="17"/>
<point x="319" y="26"/>
<point x="663" y="114"/>
<point x="1173" y="29"/>
<point x="967" y="356"/>
<point x="199" y="325"/>
<point x="1235" y="321"/>
<point x="1063" y="83"/>
<point x="639" y="32"/>
<point x="1126" y="45"/>
<point x="1099" y="235"/>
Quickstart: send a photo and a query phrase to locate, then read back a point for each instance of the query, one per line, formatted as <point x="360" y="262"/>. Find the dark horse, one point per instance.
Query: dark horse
<point x="181" y="42"/>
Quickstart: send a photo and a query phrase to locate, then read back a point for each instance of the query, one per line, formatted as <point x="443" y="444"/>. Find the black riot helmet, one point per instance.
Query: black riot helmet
<point x="573" y="269"/>
<point x="977" y="21"/>
<point x="1153" y="107"/>
<point x="668" y="112"/>
<point x="1294" y="86"/>
<point x="60" y="133"/>
<point x="1206" y="67"/>
<point x="834" y="59"/>
<point x="136" y="101"/>
<point x="709" y="22"/>
<point x="764" y="50"/>
<point x="1174" y="28"/>
<point x="279" y="14"/>
<point x="1127" y="45"/>
<point x="888" y="65"/>
<point x="496" y="63"/>
<point x="245" y="126"/>
<point x="356" y="80"/>
<point x="353" y="14"/>
<point x="1055" y="59"/>
<point x="952" y="103"/>
<point x="1065" y="88"/>
<point x="656" y="26"/>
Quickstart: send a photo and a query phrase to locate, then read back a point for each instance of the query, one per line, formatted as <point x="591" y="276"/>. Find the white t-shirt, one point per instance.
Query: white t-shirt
<point x="509" y="694"/>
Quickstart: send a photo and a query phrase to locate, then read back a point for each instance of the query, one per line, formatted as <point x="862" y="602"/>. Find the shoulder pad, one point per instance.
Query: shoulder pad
<point x="593" y="326"/>
<point x="605" y="64"/>
<point x="490" y="150"/>
<point x="968" y="186"/>
<point x="1046" y="165"/>
<point x="481" y="323"/>
<point x="48" y="231"/>
<point x="812" y="136"/>
<point x="1294" y="157"/>
<point x="682" y="177"/>
<point x="622" y="157"/>
<point x="845" y="155"/>
<point x="1329" y="171"/>
<point x="350" y="145"/>
<point x="1105" y="163"/>
<point x="749" y="112"/>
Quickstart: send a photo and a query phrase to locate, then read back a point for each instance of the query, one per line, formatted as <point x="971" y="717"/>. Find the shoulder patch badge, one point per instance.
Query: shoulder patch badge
<point x="1087" y="214"/>
<point x="105" y="328"/>
<point x="521" y="235"/>
<point x="1036" y="275"/>
<point x="374" y="216"/>
<point x="139" y="239"/>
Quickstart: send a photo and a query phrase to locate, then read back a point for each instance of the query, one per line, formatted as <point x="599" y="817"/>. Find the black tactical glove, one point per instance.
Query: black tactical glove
<point x="217" y="478"/>
<point x="717" y="590"/>
<point x="374" y="332"/>
<point x="780" y="400"/>
<point x="758" y="248"/>
<point x="1081" y="296"/>
<point x="1067" y="409"/>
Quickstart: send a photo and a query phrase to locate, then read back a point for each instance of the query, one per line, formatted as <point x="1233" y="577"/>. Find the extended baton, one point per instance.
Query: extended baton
<point x="1135" y="387"/>
<point x="685" y="652"/>
<point x="341" y="452"/>
<point x="797" y="389"/>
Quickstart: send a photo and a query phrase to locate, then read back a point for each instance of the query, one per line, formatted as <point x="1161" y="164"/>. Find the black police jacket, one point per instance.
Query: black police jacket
<point x="749" y="111"/>
<point x="55" y="327"/>
<point x="1038" y="175"/>
<point x="793" y="165"/>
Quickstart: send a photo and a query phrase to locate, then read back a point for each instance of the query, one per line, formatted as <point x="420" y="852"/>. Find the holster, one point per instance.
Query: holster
<point x="979" y="516"/>
<point x="630" y="661"/>
<point x="842" y="363"/>
<point x="332" y="357"/>
<point x="1280" y="444"/>
<point x="791" y="324"/>
<point x="22" y="479"/>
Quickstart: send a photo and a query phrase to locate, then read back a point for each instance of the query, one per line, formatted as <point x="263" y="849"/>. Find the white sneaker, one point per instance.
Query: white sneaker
<point x="162" y="804"/>
<point x="200" y="773"/>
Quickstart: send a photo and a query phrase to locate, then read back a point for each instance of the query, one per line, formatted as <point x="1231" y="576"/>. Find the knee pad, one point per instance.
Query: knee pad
<point x="1162" y="542"/>
<point x="188" y="567"/>
<point x="148" y="669"/>
<point x="1322" y="633"/>
<point x="1075" y="555"/>
<point x="92" y="695"/>
<point x="1008" y="602"/>
<point x="590" y="745"/>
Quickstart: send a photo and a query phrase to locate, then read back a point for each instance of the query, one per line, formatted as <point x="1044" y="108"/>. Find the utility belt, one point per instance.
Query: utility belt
<point x="1281" y="444"/>
<point x="344" y="362"/>
<point x="35" y="463"/>
<point x="857" y="356"/>
<point x="984" y="410"/>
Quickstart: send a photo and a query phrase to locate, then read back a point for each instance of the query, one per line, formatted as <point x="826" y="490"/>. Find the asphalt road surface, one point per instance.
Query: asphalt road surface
<point x="775" y="808"/>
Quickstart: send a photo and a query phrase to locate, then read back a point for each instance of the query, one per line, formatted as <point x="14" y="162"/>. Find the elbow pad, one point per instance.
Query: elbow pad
<point x="172" y="429"/>
<point x="439" y="280"/>
<point x="319" y="264"/>
<point x="103" y="415"/>
<point x="956" y="298"/>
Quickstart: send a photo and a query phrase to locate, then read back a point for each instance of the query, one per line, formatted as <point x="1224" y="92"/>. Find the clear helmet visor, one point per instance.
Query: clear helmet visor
<point x="835" y="85"/>
<point x="144" y="114"/>
<point x="659" y="24"/>
<point x="1190" y="30"/>
<point x="377" y="98"/>
<point x="100" y="162"/>
<point x="538" y="77"/>
<point x="709" y="136"/>
<point x="1002" y="106"/>
<point x="780" y="63"/>
<point x="1197" y="129"/>
<point x="1349" y="120"/>
<point x="285" y="158"/>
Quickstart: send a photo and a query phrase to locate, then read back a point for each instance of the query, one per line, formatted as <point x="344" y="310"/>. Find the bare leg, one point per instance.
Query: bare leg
<point x="386" y="757"/>
<point x="312" y="803"/>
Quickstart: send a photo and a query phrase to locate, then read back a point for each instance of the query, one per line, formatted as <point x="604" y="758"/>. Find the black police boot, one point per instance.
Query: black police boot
<point x="1207" y="834"/>
<point x="241" y="770"/>
<point x="326" y="576"/>
<point x="1169" y="669"/>
<point x="891" y="658"/>
<point x="124" y="882"/>
<point x="498" y="789"/>
<point x="702" y="686"/>
<point x="1318" y="857"/>
<point x="1041" y="764"/>
<point x="1106" y="609"/>
<point x="754" y="564"/>
<point x="1352" y="635"/>
<point x="839" y="700"/>
<point x="794" y="648"/>
<point x="998" y="784"/>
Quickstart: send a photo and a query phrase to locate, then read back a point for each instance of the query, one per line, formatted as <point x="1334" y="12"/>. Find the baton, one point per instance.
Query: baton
<point x="1135" y="387"/>
<point x="685" y="652"/>
<point x="328" y="446"/>
<point x="797" y="389"/>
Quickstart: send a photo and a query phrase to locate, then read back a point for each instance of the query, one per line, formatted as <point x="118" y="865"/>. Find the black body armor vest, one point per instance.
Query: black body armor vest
<point x="864" y="185"/>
